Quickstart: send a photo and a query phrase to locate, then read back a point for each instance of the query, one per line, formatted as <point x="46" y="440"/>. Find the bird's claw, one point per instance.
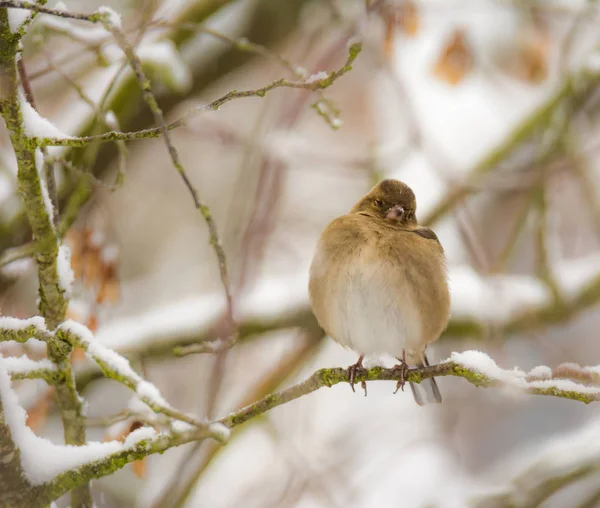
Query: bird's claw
<point x="352" y="374"/>
<point x="403" y="371"/>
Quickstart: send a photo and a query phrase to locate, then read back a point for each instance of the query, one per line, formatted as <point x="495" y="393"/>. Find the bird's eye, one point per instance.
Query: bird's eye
<point x="378" y="203"/>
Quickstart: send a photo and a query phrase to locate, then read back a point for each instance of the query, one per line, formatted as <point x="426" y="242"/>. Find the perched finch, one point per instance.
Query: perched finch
<point x="378" y="282"/>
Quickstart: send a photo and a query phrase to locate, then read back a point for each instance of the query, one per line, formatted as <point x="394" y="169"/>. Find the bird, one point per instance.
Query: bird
<point x="378" y="283"/>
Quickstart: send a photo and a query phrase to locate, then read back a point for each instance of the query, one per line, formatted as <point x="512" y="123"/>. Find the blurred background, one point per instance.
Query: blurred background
<point x="488" y="109"/>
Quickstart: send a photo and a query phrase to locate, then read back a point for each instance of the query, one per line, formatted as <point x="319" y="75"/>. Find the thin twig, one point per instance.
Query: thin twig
<point x="146" y="88"/>
<point x="313" y="85"/>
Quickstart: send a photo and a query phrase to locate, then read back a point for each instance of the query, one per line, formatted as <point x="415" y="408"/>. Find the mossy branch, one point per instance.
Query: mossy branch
<point x="333" y="376"/>
<point x="549" y="384"/>
<point x="308" y="84"/>
<point x="95" y="17"/>
<point x="52" y="298"/>
<point x="129" y="379"/>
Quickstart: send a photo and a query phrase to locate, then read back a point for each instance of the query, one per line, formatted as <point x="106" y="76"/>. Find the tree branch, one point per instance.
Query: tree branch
<point x="313" y="84"/>
<point x="475" y="367"/>
<point x="116" y="367"/>
<point x="52" y="297"/>
<point x="95" y="17"/>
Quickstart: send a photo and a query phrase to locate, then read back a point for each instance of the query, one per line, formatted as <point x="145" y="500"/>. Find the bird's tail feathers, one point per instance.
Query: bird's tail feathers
<point x="427" y="391"/>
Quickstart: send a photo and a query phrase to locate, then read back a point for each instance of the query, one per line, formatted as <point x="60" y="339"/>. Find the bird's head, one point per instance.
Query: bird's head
<point x="390" y="200"/>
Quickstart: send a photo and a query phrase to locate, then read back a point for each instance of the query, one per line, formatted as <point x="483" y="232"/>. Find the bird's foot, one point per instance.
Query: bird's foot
<point x="403" y="370"/>
<point x="352" y="374"/>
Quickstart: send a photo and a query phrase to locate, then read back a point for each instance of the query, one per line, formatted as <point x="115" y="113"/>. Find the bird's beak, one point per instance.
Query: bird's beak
<point x="396" y="212"/>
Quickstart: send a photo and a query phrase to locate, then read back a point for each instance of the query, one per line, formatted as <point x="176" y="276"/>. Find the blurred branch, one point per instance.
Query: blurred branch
<point x="570" y="97"/>
<point x="561" y="462"/>
<point x="159" y="118"/>
<point x="285" y="367"/>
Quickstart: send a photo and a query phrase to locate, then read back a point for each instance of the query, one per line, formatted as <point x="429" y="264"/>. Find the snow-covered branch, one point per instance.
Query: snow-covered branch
<point x="95" y="460"/>
<point x="23" y="123"/>
<point x="21" y="330"/>
<point x="116" y="367"/>
<point x="474" y="366"/>
<point x="26" y="368"/>
<point x="99" y="16"/>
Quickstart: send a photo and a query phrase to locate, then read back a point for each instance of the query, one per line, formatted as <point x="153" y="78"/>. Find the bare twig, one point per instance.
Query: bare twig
<point x="146" y="88"/>
<point x="312" y="85"/>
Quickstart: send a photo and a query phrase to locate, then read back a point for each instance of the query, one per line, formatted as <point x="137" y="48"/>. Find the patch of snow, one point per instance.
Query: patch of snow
<point x="317" y="76"/>
<point x="63" y="267"/>
<point x="41" y="459"/>
<point x="16" y="17"/>
<point x="25" y="365"/>
<point x="39" y="164"/>
<point x="18" y="268"/>
<point x="36" y="125"/>
<point x="516" y="378"/>
<point x="541" y="371"/>
<point x="139" y="435"/>
<point x="219" y="431"/>
<point x="493" y="299"/>
<point x="180" y="427"/>
<point x="97" y="351"/>
<point x="572" y="276"/>
<point x="116" y="362"/>
<point x="113" y="17"/>
<point x="83" y="332"/>
<point x="11" y="323"/>
<point x="148" y="391"/>
<point x="300" y="71"/>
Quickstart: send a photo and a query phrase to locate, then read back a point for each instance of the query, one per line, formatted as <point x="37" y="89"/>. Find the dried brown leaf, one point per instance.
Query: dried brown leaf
<point x="456" y="59"/>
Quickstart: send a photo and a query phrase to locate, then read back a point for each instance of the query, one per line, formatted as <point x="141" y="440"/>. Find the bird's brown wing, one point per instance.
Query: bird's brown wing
<point x="425" y="233"/>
